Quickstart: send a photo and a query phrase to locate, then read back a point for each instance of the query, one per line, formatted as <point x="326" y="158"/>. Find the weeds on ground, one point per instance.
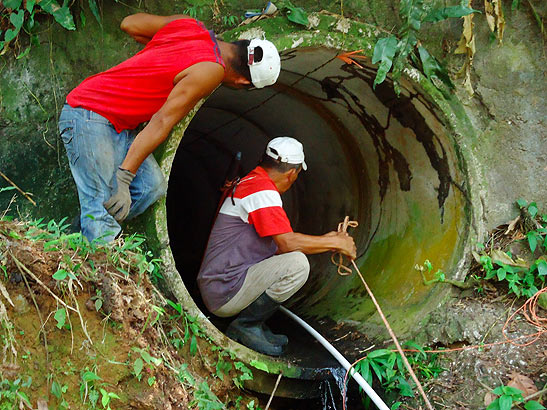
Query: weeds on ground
<point x="80" y="264"/>
<point x="224" y="365"/>
<point x="11" y="395"/>
<point x="509" y="396"/>
<point x="388" y="368"/>
<point x="522" y="278"/>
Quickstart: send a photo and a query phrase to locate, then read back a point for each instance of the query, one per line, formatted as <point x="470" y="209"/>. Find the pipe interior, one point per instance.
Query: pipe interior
<point x="388" y="162"/>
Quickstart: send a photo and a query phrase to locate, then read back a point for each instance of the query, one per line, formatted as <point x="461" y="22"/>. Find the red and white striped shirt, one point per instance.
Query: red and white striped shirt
<point x="241" y="237"/>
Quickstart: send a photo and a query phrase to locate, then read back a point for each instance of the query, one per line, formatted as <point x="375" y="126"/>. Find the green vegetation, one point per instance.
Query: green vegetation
<point x="511" y="395"/>
<point x="81" y="270"/>
<point x="11" y="395"/>
<point x="391" y="373"/>
<point x="21" y="17"/>
<point x="395" y="53"/>
<point x="523" y="278"/>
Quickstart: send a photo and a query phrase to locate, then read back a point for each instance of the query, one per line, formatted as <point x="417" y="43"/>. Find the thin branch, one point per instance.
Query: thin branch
<point x="23" y="267"/>
<point x="17" y="188"/>
<point x="274" y="389"/>
<point x="536" y="394"/>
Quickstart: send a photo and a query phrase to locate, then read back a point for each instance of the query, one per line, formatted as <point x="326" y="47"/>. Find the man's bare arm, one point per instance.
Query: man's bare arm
<point x="143" y="26"/>
<point x="311" y="244"/>
<point x="197" y="82"/>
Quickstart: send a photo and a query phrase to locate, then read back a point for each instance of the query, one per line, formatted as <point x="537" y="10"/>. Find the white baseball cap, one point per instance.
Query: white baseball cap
<point x="265" y="71"/>
<point x="286" y="149"/>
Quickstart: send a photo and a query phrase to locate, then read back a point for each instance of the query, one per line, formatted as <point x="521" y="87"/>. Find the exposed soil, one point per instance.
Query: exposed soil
<point x="472" y="324"/>
<point x="470" y="374"/>
<point x="106" y="341"/>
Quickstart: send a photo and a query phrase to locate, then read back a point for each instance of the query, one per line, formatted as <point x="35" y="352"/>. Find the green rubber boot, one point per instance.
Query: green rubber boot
<point x="248" y="327"/>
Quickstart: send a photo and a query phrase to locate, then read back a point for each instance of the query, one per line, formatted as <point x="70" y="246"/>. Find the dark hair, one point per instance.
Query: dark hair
<point x="271" y="163"/>
<point x="240" y="63"/>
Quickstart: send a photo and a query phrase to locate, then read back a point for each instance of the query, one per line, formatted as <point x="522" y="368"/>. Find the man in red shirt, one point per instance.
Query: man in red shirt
<point x="254" y="261"/>
<point x="181" y="63"/>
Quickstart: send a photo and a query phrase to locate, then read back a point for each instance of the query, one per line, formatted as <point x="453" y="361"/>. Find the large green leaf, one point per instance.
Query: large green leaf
<point x="432" y="68"/>
<point x="444" y="13"/>
<point x="532" y="240"/>
<point x="512" y="391"/>
<point x="405" y="388"/>
<point x="533" y="405"/>
<point x="17" y="19"/>
<point x="61" y="15"/>
<point x="138" y="366"/>
<point x="56" y="389"/>
<point x="12" y="4"/>
<point x="379" y="353"/>
<point x="60" y="317"/>
<point x="297" y="15"/>
<point x="506" y="402"/>
<point x="495" y="405"/>
<point x="384" y="51"/>
<point x="259" y="365"/>
<point x="542" y="268"/>
<point x="89" y="377"/>
<point x="30" y="5"/>
<point x="95" y="10"/>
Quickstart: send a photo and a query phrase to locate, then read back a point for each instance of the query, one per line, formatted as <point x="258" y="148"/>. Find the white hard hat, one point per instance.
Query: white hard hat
<point x="265" y="71"/>
<point x="286" y="149"/>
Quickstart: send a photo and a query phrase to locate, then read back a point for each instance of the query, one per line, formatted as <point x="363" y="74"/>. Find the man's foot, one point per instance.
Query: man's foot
<point x="250" y="330"/>
<point x="276" y="339"/>
<point x="252" y="336"/>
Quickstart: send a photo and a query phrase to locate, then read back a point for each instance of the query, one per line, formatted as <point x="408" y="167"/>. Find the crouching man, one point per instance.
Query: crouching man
<point x="254" y="261"/>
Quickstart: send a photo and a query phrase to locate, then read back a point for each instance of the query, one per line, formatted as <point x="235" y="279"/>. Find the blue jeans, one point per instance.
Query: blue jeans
<point x="95" y="151"/>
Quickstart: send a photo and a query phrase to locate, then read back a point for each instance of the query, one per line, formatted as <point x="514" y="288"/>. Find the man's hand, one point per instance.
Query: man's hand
<point x="347" y="244"/>
<point x="120" y="202"/>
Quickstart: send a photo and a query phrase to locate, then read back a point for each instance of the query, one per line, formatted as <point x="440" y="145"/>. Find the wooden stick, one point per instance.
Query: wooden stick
<point x="274" y="389"/>
<point x="17" y="188"/>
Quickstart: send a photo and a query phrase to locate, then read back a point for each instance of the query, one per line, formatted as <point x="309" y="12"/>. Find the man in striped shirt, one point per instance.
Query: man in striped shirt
<point x="254" y="261"/>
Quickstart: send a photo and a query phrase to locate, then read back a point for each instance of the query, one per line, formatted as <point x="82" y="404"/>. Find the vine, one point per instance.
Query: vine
<point x="18" y="16"/>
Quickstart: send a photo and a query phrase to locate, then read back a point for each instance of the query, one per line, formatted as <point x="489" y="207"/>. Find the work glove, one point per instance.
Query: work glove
<point x="120" y="202"/>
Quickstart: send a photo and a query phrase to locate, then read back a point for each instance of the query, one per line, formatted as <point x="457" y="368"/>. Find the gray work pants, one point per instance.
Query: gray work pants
<point x="280" y="276"/>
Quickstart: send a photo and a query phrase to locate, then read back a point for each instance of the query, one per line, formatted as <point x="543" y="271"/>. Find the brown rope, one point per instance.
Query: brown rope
<point x="343" y="270"/>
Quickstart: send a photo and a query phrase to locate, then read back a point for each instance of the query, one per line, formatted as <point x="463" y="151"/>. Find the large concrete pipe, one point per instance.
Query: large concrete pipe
<point x="391" y="163"/>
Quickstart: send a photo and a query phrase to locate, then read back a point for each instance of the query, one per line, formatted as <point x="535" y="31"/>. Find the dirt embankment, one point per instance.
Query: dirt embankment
<point x="83" y="327"/>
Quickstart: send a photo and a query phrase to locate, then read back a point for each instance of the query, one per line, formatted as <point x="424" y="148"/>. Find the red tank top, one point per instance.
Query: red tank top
<point x="131" y="92"/>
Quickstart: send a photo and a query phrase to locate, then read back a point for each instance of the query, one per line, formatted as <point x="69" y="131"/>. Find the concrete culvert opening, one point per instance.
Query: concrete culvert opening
<point x="390" y="163"/>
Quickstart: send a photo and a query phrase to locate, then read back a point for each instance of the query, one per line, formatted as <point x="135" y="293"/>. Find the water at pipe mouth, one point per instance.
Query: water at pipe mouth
<point x="390" y="163"/>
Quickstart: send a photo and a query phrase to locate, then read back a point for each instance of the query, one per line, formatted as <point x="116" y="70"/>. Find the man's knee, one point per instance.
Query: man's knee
<point x="154" y="186"/>
<point x="299" y="262"/>
<point x="159" y="188"/>
<point x="298" y="259"/>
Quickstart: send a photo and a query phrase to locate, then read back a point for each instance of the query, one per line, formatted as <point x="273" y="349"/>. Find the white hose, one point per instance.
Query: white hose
<point x="338" y="356"/>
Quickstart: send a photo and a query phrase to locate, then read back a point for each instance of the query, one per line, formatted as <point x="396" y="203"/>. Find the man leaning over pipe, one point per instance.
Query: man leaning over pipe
<point x="115" y="172"/>
<point x="254" y="261"/>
